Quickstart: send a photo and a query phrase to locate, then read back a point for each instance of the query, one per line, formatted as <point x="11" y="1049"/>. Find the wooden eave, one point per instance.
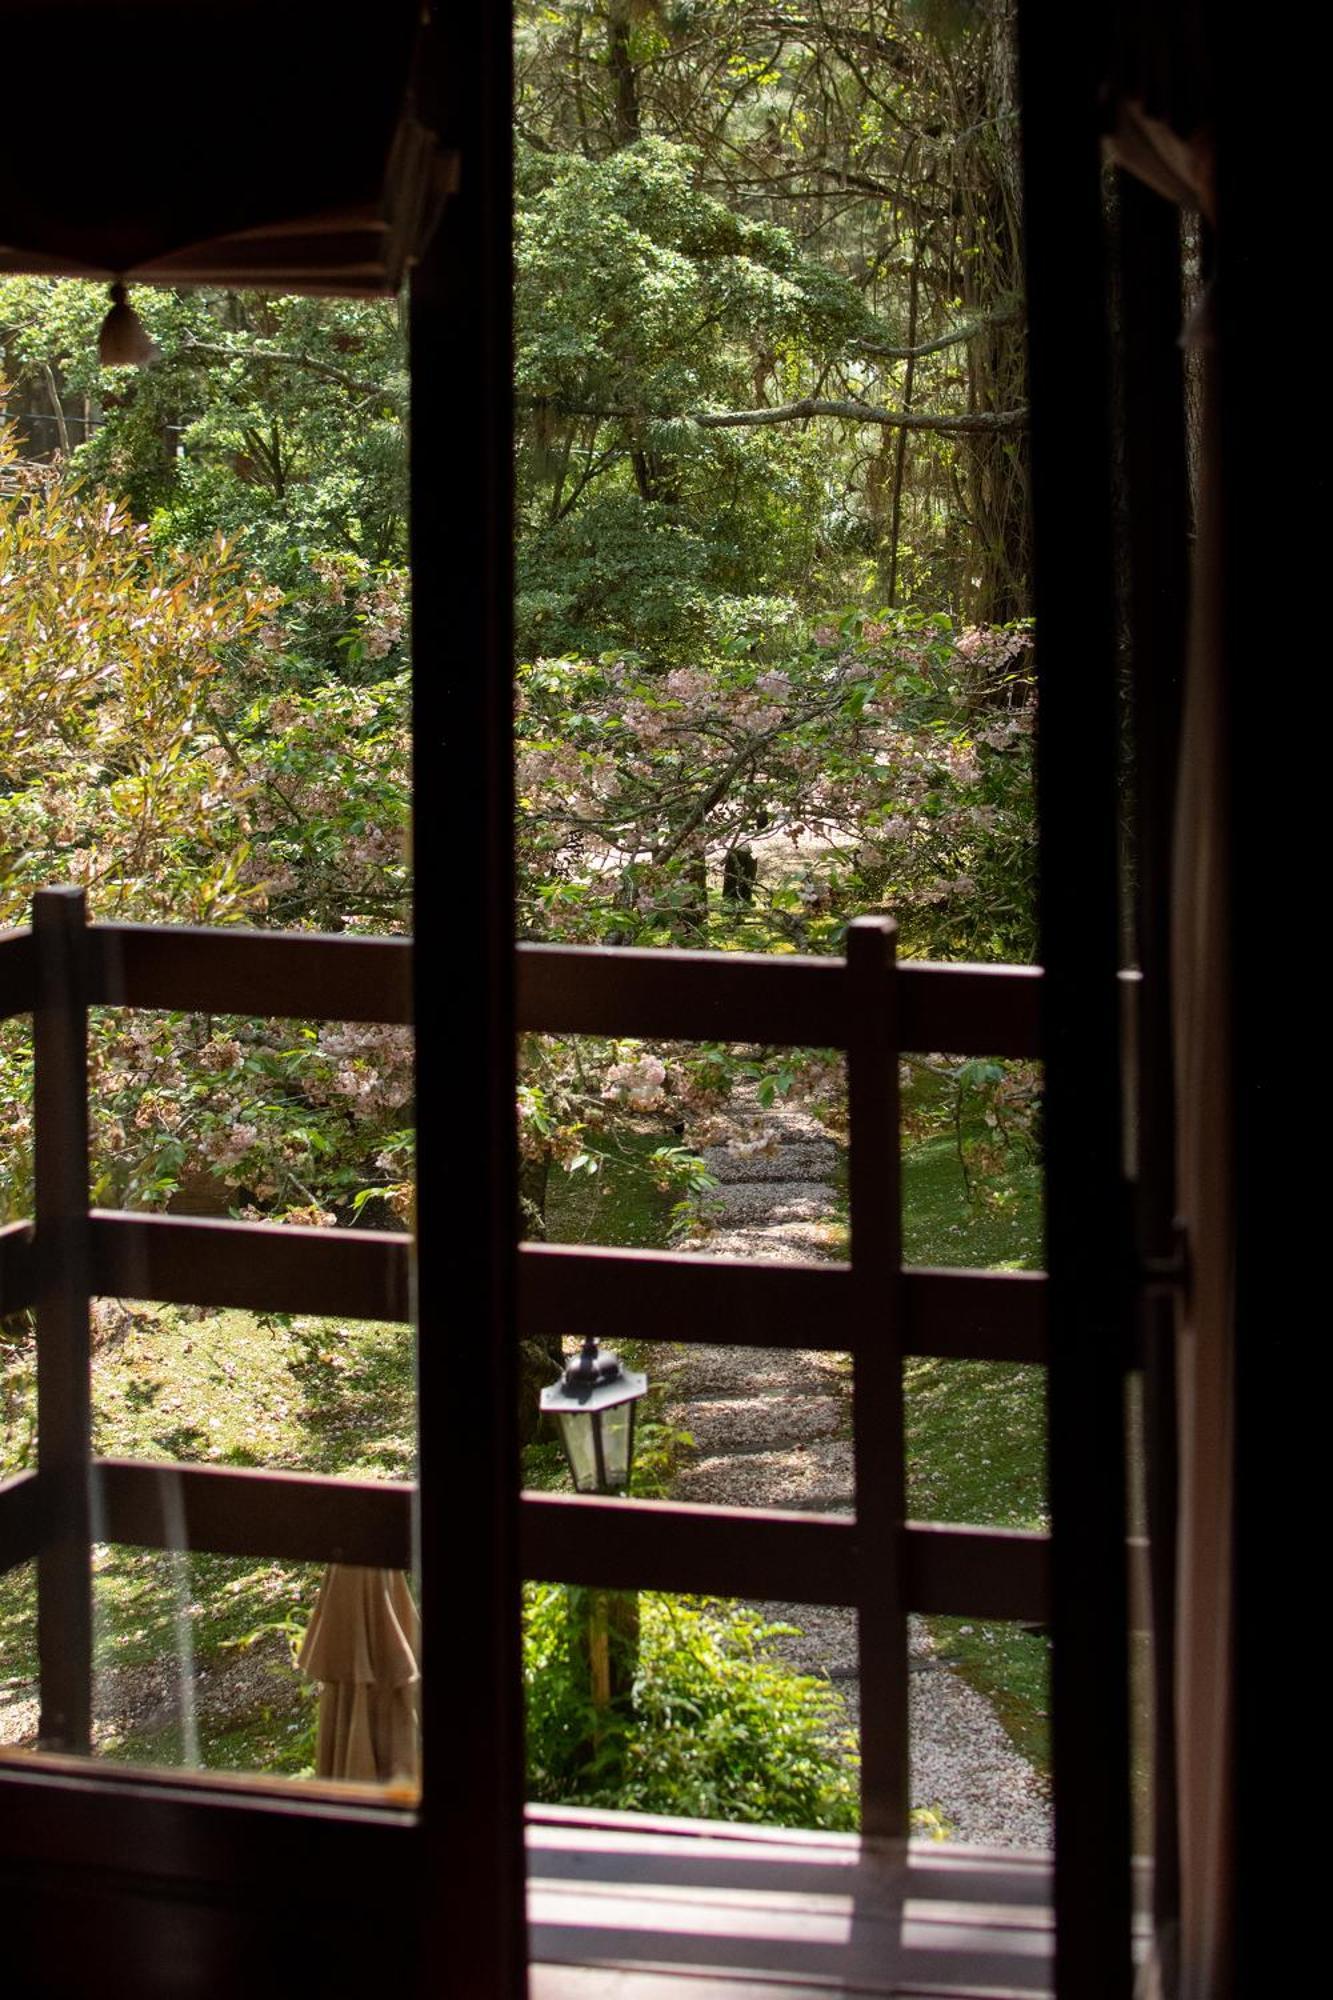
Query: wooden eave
<point x="266" y="144"/>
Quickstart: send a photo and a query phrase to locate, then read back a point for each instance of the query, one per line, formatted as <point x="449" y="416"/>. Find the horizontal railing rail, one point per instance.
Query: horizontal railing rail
<point x="951" y="1569"/>
<point x="782" y="1000"/>
<point x="23" y="1519"/>
<point x="614" y="1294"/>
<point x="18" y="972"/>
<point x="724" y="1301"/>
<point x="251" y="1266"/>
<point x="18" y="1266"/>
<point x="754" y="1553"/>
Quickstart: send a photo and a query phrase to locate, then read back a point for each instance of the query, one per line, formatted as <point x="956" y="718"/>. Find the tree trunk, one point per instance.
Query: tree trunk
<point x="740" y="871"/>
<point x="603" y="1630"/>
<point x="690" y="917"/>
<point x="996" y="587"/>
<point x="621" y="64"/>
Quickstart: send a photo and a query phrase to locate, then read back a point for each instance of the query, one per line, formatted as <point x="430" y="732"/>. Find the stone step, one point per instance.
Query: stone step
<point x="697" y="1374"/>
<point x="767" y="1204"/>
<point x="809" y="1160"/>
<point x="770" y="1421"/>
<point x="818" y="1478"/>
<point x="784" y="1243"/>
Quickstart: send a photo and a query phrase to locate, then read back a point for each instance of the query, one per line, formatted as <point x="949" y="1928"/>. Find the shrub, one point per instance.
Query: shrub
<point x="716" y="1728"/>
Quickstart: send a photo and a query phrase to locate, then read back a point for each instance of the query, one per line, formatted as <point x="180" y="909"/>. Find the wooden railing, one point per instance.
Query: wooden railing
<point x="871" y="1307"/>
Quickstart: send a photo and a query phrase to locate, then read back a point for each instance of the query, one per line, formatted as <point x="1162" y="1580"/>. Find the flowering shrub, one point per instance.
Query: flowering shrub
<point x="137" y="764"/>
<point x="886" y="763"/>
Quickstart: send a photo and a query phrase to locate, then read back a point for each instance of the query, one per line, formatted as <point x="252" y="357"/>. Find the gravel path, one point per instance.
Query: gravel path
<point x="773" y="1429"/>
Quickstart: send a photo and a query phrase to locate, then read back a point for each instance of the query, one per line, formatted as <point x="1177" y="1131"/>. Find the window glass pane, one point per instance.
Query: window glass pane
<point x="981" y="1749"/>
<point x="577" y="1437"/>
<point x="210" y="728"/>
<point x="281" y="1390"/>
<point x="193" y="1662"/>
<point x="724" y="1149"/>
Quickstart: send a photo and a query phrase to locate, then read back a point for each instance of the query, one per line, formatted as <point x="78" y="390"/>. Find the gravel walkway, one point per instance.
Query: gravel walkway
<point x="773" y="1429"/>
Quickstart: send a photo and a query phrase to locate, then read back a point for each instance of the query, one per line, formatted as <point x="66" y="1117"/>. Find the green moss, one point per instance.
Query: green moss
<point x="234" y="1388"/>
<point x="1011" y="1667"/>
<point x="620" y="1205"/>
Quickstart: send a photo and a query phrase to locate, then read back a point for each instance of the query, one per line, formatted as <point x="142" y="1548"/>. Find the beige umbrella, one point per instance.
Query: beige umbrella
<point x="361" y="1646"/>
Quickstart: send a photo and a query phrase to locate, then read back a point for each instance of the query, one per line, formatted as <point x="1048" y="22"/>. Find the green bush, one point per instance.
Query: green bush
<point x="716" y="1729"/>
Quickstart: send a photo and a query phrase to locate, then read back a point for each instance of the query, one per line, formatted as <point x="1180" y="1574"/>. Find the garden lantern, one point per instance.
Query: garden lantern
<point x="594" y="1401"/>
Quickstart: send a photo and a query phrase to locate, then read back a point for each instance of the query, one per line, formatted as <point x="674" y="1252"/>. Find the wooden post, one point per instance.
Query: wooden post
<point x="1064" y="59"/>
<point x="64" y="1347"/>
<point x="473" y="1888"/>
<point x="877" y="1403"/>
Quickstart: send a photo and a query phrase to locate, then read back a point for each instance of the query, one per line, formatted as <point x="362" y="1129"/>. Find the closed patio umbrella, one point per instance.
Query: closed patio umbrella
<point x="361" y="1646"/>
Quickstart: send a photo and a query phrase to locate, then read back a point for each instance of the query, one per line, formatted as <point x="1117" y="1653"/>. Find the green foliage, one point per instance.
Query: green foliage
<point x="139" y="759"/>
<point x="641" y="300"/>
<point x="112" y="771"/>
<point x="278" y="416"/>
<point x="718" y="1730"/>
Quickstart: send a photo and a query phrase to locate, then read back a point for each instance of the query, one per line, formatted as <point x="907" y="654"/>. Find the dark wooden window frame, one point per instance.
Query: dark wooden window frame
<point x="188" y="1868"/>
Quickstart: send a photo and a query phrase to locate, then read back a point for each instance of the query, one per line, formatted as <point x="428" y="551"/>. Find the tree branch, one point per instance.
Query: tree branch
<point x="58" y="407"/>
<point x="883" y="352"/>
<point x="810" y="406"/>
<point x="219" y="351"/>
<point x="866" y="413"/>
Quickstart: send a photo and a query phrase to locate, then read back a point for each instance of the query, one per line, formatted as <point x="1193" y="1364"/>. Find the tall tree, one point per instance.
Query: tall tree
<point x="882" y="135"/>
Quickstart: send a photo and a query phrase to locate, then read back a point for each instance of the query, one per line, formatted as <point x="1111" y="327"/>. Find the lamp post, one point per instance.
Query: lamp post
<point x="594" y="1403"/>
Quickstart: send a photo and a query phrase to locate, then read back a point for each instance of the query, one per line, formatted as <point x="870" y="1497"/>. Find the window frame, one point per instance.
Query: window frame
<point x="202" y="1849"/>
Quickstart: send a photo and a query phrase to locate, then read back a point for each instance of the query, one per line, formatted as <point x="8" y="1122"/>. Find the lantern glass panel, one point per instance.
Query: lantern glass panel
<point x="576" y="1433"/>
<point x="617" y="1439"/>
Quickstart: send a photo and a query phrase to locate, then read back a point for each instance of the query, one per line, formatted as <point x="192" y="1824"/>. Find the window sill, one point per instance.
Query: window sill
<point x="623" y="1907"/>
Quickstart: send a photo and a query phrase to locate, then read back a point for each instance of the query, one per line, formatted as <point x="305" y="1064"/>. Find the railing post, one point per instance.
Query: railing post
<point x="64" y="1393"/>
<point x="877" y="1402"/>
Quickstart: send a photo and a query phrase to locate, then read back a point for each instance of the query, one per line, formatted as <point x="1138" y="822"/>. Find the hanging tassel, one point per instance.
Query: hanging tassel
<point x="123" y="343"/>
